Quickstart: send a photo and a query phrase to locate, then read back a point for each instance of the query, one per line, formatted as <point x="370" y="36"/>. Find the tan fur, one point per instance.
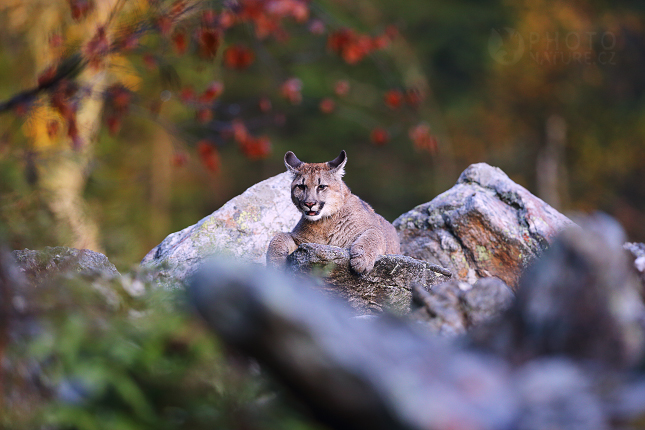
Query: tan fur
<point x="332" y="215"/>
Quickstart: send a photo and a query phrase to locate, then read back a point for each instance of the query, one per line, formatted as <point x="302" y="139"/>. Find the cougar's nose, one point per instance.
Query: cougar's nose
<point x="309" y="204"/>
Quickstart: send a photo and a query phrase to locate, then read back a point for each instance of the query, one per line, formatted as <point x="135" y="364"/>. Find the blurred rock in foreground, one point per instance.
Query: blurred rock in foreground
<point x="387" y="287"/>
<point x="581" y="299"/>
<point x="567" y="354"/>
<point x="486" y="225"/>
<point x="242" y="228"/>
<point x="637" y="251"/>
<point x="454" y="307"/>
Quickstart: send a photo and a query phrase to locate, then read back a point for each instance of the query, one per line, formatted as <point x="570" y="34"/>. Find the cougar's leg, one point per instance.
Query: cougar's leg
<point x="280" y="247"/>
<point x="363" y="252"/>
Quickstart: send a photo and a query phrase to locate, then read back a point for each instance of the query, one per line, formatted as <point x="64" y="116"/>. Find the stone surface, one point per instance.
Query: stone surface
<point x="453" y="307"/>
<point x="580" y="299"/>
<point x="546" y="368"/>
<point x="486" y="225"/>
<point x="637" y="251"/>
<point x="39" y="265"/>
<point x="241" y="228"/>
<point x="387" y="286"/>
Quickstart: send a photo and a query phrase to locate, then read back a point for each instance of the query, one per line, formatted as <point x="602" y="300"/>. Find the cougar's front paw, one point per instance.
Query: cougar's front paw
<point x="360" y="261"/>
<point x="277" y="260"/>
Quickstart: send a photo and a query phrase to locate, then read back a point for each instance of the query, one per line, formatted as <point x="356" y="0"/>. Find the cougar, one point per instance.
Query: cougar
<point x="332" y="215"/>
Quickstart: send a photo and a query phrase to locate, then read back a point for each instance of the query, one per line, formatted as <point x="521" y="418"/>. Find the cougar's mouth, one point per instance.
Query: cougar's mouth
<point x="307" y="211"/>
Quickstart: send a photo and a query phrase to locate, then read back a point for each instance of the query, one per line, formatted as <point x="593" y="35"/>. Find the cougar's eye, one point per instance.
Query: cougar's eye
<point x="321" y="187"/>
<point x="301" y="186"/>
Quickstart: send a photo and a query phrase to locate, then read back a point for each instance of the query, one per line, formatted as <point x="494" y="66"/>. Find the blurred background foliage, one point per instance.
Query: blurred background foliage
<point x="549" y="91"/>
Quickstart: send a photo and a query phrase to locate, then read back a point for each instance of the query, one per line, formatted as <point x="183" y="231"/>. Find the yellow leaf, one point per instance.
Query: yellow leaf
<point x="44" y="127"/>
<point x="121" y="71"/>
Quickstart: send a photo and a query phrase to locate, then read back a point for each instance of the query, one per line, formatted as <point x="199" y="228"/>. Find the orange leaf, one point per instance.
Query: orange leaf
<point x="379" y="136"/>
<point x="393" y="98"/>
<point x="238" y="57"/>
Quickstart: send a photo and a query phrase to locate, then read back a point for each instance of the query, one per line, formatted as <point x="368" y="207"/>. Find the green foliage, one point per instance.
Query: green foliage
<point x="108" y="358"/>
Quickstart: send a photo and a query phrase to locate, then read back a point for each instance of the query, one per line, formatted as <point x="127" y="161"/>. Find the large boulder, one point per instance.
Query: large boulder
<point x="242" y="228"/>
<point x="486" y="225"/>
<point x="580" y="299"/>
<point x="387" y="287"/>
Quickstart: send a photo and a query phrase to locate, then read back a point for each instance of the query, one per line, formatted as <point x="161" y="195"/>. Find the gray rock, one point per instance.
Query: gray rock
<point x="556" y="394"/>
<point x="453" y="307"/>
<point x="387" y="286"/>
<point x="40" y="265"/>
<point x="241" y="228"/>
<point x="637" y="251"/>
<point x="352" y="373"/>
<point x="581" y="299"/>
<point x="486" y="225"/>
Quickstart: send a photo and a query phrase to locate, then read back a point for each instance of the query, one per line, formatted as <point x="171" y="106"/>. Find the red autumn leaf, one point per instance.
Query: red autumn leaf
<point x="119" y="97"/>
<point x="341" y="88"/>
<point x="291" y="89"/>
<point x="265" y="26"/>
<point x="413" y="97"/>
<point x="180" y="42"/>
<point x="379" y="136"/>
<point x="177" y="8"/>
<point x="47" y="76"/>
<point x="62" y="104"/>
<point x="21" y="109"/>
<point x="381" y="42"/>
<point x="422" y="138"/>
<point x="80" y="8"/>
<point x="227" y="19"/>
<point x="265" y="104"/>
<point x="72" y="132"/>
<point x="209" y="17"/>
<point x="179" y="159"/>
<point x="393" y="99"/>
<point x="352" y="47"/>
<point x="114" y="124"/>
<point x="209" y="155"/>
<point x="213" y="91"/>
<point x="130" y="42"/>
<point x="164" y="23"/>
<point x="256" y="148"/>
<point x="53" y="127"/>
<point x="97" y="48"/>
<point x="327" y="105"/>
<point x="240" y="133"/>
<point x="56" y="40"/>
<point x="149" y="61"/>
<point x="208" y="40"/>
<point x="204" y="115"/>
<point x="238" y="57"/>
<point x="187" y="94"/>
<point x="353" y="54"/>
<point x="338" y="40"/>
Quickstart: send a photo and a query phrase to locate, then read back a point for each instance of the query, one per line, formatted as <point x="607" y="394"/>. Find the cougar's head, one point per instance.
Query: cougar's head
<point x="317" y="189"/>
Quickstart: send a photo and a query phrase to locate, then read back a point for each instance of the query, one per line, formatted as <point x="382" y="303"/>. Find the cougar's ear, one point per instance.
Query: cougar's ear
<point x="292" y="162"/>
<point x="337" y="165"/>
